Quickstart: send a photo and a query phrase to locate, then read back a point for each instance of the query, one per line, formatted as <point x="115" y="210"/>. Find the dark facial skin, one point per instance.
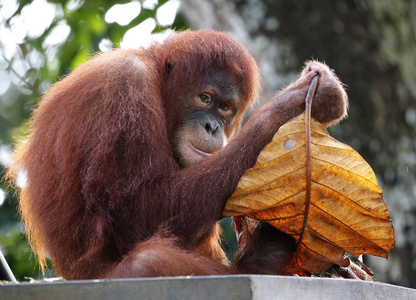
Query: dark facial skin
<point x="208" y="110"/>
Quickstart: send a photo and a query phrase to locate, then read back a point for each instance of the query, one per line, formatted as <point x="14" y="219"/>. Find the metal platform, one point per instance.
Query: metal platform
<point x="239" y="287"/>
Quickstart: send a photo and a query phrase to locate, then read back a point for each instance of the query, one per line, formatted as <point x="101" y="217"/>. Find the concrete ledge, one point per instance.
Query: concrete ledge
<point x="219" y="287"/>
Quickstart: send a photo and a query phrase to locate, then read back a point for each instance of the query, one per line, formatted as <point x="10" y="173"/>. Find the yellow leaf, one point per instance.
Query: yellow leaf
<point x="345" y="211"/>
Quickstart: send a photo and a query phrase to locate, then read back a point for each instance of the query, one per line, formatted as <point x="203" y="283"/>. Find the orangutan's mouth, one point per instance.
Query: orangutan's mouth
<point x="198" y="151"/>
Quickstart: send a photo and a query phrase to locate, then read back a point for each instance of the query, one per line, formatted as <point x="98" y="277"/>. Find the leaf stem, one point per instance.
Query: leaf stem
<point x="308" y="104"/>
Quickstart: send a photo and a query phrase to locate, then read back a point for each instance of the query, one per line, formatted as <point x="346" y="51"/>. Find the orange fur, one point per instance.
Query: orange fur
<point x="102" y="179"/>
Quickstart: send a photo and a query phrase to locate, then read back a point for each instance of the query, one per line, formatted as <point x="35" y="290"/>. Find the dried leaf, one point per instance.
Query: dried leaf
<point x="344" y="213"/>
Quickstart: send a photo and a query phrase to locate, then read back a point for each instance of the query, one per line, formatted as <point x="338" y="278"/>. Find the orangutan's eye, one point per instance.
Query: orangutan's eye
<point x="205" y="98"/>
<point x="224" y="107"/>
